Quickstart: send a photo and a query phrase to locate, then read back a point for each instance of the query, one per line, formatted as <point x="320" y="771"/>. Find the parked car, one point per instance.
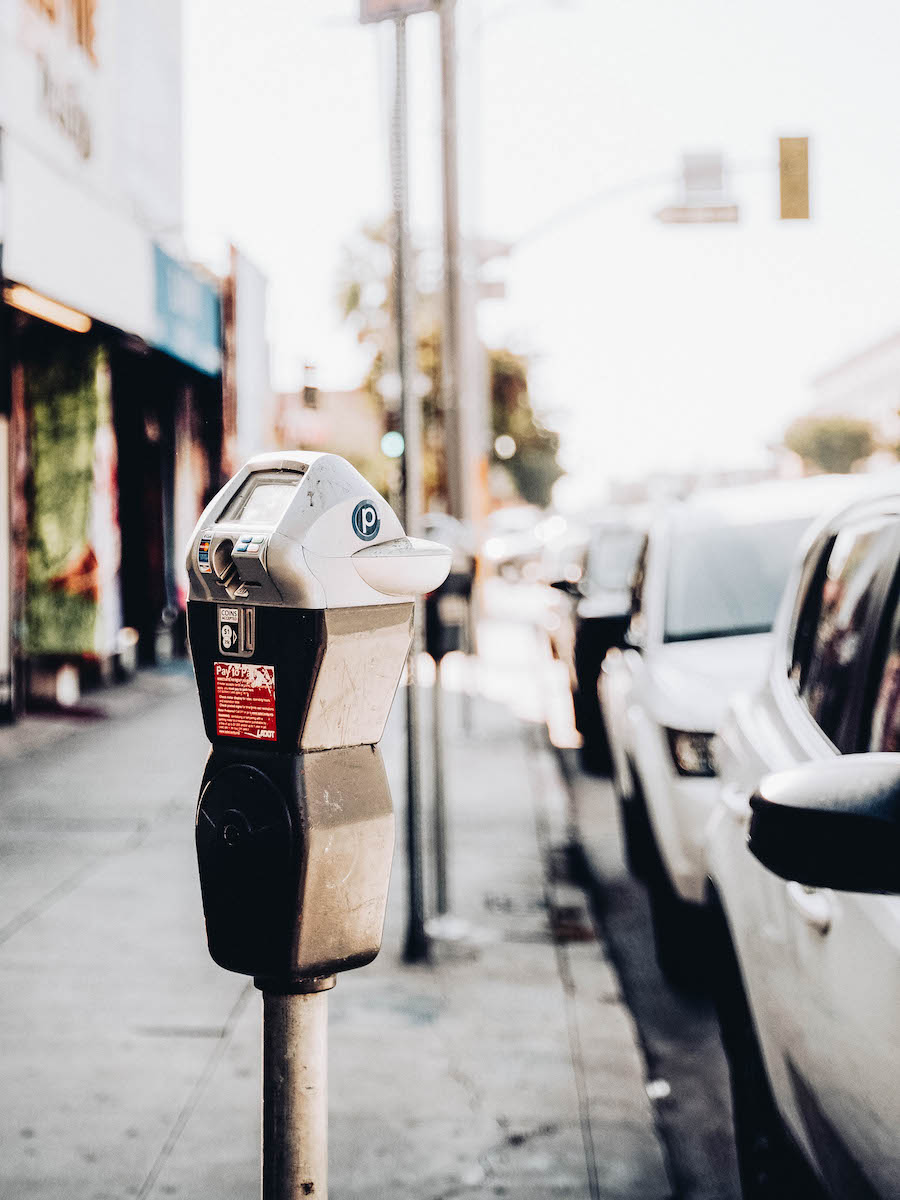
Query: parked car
<point x="562" y="568"/>
<point x="706" y="591"/>
<point x="809" y="981"/>
<point x="449" y="611"/>
<point x="595" y="617"/>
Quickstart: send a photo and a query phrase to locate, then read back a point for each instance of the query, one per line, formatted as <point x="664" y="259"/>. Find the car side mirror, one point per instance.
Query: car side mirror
<point x="832" y="825"/>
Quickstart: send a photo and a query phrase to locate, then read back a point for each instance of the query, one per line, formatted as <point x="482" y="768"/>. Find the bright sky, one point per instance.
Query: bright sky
<point x="654" y="346"/>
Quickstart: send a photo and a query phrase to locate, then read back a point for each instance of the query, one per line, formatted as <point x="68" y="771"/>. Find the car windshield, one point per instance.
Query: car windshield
<point x="726" y="580"/>
<point x="611" y="558"/>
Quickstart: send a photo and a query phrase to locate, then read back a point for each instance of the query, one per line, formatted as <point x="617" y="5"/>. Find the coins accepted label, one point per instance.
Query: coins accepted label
<point x="245" y="701"/>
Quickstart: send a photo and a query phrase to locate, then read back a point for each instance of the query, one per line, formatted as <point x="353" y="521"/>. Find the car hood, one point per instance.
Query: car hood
<point x="690" y="683"/>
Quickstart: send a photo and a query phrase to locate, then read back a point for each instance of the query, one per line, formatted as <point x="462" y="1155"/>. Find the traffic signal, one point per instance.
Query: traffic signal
<point x="392" y="443"/>
<point x="793" y="170"/>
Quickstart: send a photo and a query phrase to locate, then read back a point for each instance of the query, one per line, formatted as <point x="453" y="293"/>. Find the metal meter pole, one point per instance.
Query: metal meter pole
<point x="295" y="1093"/>
<point x="416" y="946"/>
<point x="439" y="812"/>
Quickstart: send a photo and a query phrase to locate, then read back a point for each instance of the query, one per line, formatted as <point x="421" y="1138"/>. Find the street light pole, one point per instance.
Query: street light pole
<point x="456" y="426"/>
<point x="416" y="944"/>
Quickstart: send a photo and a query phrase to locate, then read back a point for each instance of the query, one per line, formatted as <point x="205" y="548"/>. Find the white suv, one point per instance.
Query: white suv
<point x="808" y="964"/>
<point x="705" y="595"/>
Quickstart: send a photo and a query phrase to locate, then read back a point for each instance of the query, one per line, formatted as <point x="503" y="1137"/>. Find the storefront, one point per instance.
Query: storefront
<point x="110" y="359"/>
<point x="167" y="401"/>
<point x="116" y="448"/>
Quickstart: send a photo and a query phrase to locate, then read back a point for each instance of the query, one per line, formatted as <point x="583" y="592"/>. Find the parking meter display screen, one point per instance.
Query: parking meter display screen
<point x="261" y="501"/>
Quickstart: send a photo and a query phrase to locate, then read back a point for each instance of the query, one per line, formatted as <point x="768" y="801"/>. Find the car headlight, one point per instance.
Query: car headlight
<point x="692" y="753"/>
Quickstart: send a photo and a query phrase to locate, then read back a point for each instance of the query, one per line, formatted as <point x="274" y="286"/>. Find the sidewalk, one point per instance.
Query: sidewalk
<point x="508" y="1067"/>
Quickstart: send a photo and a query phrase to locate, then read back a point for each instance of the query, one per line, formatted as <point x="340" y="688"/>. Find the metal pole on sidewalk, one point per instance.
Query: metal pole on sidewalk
<point x="439" y="810"/>
<point x="416" y="945"/>
<point x="295" y="1094"/>
<point x="455" y="425"/>
<point x="9" y="700"/>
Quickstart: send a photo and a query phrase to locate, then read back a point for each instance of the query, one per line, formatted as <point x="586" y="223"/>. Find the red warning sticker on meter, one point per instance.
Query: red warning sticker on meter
<point x="245" y="701"/>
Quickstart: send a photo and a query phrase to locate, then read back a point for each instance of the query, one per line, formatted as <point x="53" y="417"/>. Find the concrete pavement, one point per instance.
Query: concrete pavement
<point x="508" y="1066"/>
<point x="679" y="1031"/>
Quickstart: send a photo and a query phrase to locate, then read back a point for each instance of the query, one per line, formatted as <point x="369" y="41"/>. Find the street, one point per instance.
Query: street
<point x="679" y="1033"/>
<point x="508" y="1066"/>
<point x="686" y="1068"/>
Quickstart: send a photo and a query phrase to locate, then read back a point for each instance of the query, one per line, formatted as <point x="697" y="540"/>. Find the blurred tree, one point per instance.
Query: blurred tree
<point x="831" y="444"/>
<point x="533" y="466"/>
<point x="365" y="297"/>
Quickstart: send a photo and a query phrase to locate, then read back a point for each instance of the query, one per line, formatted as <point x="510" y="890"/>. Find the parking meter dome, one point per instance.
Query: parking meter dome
<point x="288" y="531"/>
<point x="404" y="566"/>
<point x="300" y="614"/>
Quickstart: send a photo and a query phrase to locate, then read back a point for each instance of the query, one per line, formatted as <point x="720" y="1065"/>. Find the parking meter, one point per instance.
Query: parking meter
<point x="302" y="587"/>
<point x="447" y="615"/>
<point x="447" y="608"/>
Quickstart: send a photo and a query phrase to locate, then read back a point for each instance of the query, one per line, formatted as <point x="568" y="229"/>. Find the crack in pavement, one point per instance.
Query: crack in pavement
<point x="196" y="1093"/>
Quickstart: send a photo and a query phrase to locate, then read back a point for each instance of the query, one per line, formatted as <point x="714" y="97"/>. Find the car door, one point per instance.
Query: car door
<point x="766" y="732"/>
<point x="836" y="956"/>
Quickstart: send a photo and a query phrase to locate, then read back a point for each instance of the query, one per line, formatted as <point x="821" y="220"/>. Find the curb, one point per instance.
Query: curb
<point x="594" y="995"/>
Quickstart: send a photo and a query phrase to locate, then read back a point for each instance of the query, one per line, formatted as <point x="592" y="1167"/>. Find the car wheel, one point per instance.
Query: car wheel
<point x="680" y="929"/>
<point x="635" y="828"/>
<point x="595" y="754"/>
<point x="770" y="1164"/>
<point x="679" y="934"/>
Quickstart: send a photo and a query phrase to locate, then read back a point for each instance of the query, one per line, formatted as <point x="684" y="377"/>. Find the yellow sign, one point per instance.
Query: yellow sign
<point x="793" y="169"/>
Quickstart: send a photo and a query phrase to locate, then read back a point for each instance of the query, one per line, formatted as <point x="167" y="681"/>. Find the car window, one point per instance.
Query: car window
<point x="725" y="580"/>
<point x="846" y="605"/>
<point x="638" y="625"/>
<point x="812" y="581"/>
<point x="884" y="732"/>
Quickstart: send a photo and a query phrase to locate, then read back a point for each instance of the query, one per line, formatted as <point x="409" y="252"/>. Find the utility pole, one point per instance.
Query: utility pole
<point x="453" y="403"/>
<point x="416" y="944"/>
<point x="9" y="700"/>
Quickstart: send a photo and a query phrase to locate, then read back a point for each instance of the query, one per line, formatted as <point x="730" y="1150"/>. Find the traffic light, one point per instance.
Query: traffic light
<point x="392" y="444"/>
<point x="793" y="170"/>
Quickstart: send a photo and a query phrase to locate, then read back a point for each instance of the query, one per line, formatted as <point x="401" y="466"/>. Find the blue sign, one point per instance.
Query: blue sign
<point x="366" y="521"/>
<point x="188" y="315"/>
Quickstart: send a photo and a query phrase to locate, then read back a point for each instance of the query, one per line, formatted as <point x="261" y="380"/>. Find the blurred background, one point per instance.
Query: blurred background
<point x="196" y="228"/>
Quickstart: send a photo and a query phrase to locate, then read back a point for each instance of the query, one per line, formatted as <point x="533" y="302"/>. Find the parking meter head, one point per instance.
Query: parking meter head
<point x="284" y="531"/>
<point x="302" y="585"/>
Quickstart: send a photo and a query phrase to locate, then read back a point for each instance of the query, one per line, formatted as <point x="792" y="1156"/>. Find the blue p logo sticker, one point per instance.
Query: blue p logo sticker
<point x="366" y="521"/>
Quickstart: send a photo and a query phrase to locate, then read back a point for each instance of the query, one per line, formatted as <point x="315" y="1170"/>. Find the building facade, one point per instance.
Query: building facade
<point x="866" y="385"/>
<point x="349" y="423"/>
<point x="110" y="345"/>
